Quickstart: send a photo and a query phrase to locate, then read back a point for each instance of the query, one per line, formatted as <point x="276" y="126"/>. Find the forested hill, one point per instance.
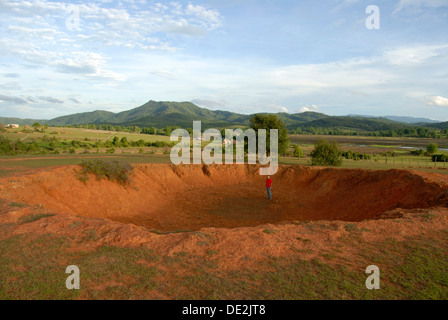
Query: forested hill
<point x="182" y="114"/>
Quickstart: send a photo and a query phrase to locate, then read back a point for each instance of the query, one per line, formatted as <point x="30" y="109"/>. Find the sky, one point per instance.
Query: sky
<point x="337" y="57"/>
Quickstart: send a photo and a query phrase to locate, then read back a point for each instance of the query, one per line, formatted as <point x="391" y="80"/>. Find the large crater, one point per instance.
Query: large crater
<point x="190" y="197"/>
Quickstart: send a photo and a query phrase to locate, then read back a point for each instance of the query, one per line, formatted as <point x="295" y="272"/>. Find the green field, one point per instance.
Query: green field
<point x="64" y="133"/>
<point x="376" y="148"/>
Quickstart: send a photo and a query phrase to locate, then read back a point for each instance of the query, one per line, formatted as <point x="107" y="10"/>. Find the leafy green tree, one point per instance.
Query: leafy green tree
<point x="298" y="152"/>
<point x="326" y="154"/>
<point x="432" y="148"/>
<point x="260" y="121"/>
<point x="36" y="125"/>
<point x="116" y="141"/>
<point x="124" y="142"/>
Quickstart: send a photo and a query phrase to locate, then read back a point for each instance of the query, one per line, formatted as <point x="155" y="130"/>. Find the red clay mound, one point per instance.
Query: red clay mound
<point x="174" y="198"/>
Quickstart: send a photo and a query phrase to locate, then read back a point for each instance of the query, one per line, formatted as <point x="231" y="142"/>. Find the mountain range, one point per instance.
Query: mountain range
<point x="182" y="114"/>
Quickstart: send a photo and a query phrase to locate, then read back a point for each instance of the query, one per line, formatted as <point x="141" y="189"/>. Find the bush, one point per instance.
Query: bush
<point x="326" y="154"/>
<point x="432" y="148"/>
<point x="417" y="152"/>
<point x="106" y="169"/>
<point x="439" y="158"/>
<point x="350" y="155"/>
<point x="298" y="153"/>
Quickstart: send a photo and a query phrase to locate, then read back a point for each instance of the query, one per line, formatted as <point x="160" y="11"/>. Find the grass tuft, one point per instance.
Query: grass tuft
<point x="113" y="170"/>
<point x="33" y="217"/>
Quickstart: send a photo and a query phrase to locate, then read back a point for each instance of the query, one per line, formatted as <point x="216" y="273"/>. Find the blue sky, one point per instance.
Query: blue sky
<point x="64" y="57"/>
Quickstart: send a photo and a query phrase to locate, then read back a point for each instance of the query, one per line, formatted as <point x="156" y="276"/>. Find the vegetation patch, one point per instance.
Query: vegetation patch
<point x="113" y="170"/>
<point x="34" y="268"/>
<point x="33" y="217"/>
<point x="326" y="154"/>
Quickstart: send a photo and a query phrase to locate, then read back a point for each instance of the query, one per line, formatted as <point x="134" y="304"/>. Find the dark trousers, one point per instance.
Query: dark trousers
<point x="269" y="193"/>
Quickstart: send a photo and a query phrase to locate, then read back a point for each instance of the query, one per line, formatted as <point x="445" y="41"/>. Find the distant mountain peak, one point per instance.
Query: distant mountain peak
<point x="168" y="113"/>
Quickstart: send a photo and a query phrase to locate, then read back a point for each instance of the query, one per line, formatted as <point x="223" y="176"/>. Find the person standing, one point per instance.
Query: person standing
<point x="268" y="187"/>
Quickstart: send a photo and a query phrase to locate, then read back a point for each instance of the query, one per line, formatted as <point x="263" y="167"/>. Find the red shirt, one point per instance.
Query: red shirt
<point x="268" y="183"/>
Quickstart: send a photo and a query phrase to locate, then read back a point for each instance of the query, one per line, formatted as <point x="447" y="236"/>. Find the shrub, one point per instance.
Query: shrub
<point x="113" y="170"/>
<point x="355" y="155"/>
<point x="326" y="154"/>
<point x="417" y="152"/>
<point x="298" y="153"/>
<point x="432" y="148"/>
<point x="439" y="158"/>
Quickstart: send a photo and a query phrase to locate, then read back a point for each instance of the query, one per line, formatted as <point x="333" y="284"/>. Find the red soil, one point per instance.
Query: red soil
<point x="173" y="198"/>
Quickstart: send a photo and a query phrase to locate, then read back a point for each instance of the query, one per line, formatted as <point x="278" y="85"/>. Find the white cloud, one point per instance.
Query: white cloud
<point x="209" y="103"/>
<point x="312" y="107"/>
<point x="18" y="100"/>
<point x="208" y="18"/>
<point x="163" y="74"/>
<point x="406" y="56"/>
<point x="403" y="4"/>
<point x="11" y="75"/>
<point x="437" y="101"/>
<point x="51" y="100"/>
<point x="276" y="108"/>
<point x="86" y="63"/>
<point x="111" y="26"/>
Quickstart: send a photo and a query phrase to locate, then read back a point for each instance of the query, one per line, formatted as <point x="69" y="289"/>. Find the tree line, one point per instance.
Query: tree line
<point x="414" y="132"/>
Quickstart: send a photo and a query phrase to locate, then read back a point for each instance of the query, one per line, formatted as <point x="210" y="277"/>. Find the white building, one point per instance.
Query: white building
<point x="12" y="126"/>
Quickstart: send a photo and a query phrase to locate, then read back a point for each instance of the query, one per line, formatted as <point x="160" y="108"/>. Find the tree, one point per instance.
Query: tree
<point x="36" y="126"/>
<point x="326" y="154"/>
<point x="432" y="148"/>
<point x="124" y="142"/>
<point x="260" y="121"/>
<point x="116" y="141"/>
<point x="298" y="152"/>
